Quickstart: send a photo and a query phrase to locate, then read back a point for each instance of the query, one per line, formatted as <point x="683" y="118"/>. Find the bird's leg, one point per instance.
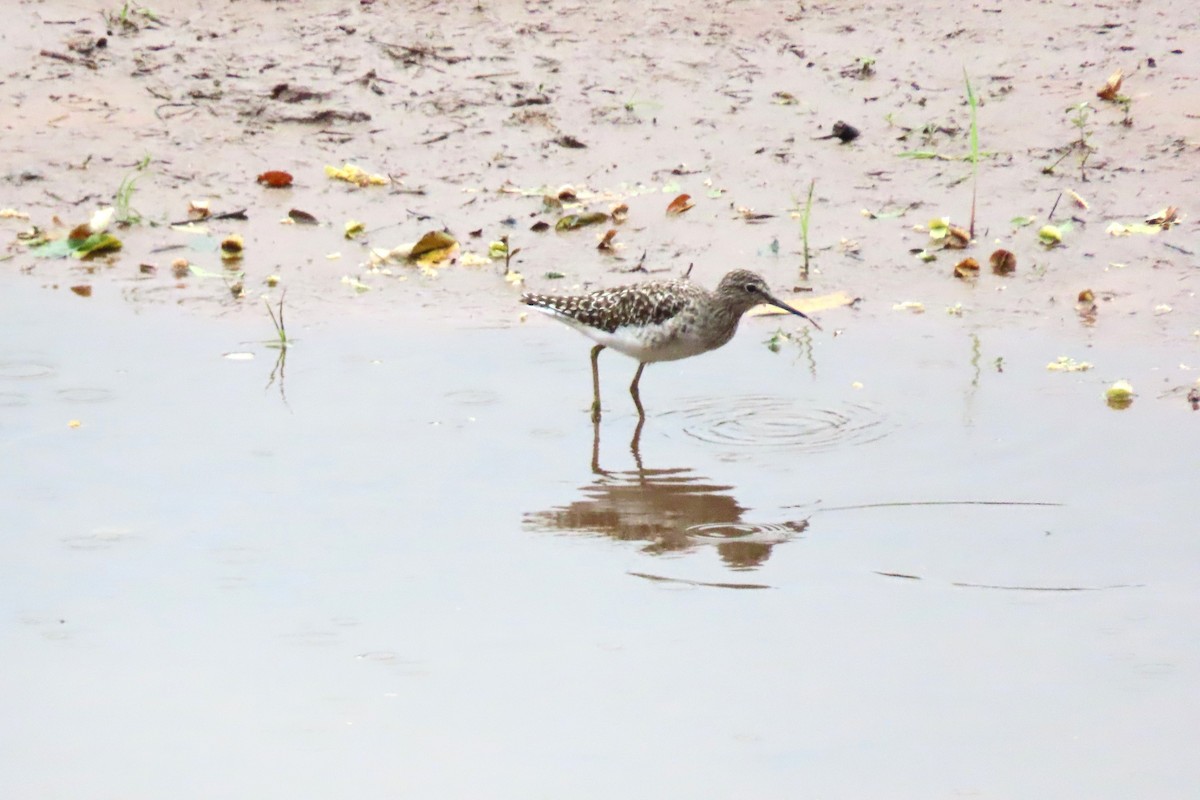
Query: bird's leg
<point x="596" y="382"/>
<point x="633" y="390"/>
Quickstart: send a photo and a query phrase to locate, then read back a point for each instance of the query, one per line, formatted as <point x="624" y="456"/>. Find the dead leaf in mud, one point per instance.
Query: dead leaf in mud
<point x="606" y="243"/>
<point x="433" y="247"/>
<point x="1003" y="262"/>
<point x="619" y="212"/>
<point x="1165" y="218"/>
<point x="1087" y="296"/>
<point x="967" y="268"/>
<point x="1021" y="222"/>
<point x="83" y="290"/>
<point x="1113" y="85"/>
<point x="783" y="99"/>
<point x="95" y="244"/>
<point x="570" y="142"/>
<point x="750" y="215"/>
<point x="301" y="217"/>
<point x="539" y="226"/>
<point x="1079" y="201"/>
<point x="275" y="179"/>
<point x="355" y="175"/>
<point x="180" y="268"/>
<point x="353" y="228"/>
<point x="573" y="221"/>
<point x="680" y="204"/>
<point x="806" y="303"/>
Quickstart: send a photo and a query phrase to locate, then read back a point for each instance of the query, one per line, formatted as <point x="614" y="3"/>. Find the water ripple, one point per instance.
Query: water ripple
<point x="780" y="422"/>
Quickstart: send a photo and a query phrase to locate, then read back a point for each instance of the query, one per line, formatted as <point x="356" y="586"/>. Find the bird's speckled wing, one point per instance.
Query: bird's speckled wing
<point x="640" y="305"/>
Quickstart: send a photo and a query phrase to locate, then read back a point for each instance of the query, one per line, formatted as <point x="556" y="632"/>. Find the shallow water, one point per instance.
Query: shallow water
<point x="408" y="568"/>
<point x="897" y="559"/>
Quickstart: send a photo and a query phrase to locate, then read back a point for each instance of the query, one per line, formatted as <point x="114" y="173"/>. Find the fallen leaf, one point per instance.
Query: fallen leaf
<point x="967" y="268"/>
<point x="232" y="246"/>
<point x="606" y="241"/>
<point x="301" y="217"/>
<point x="1003" y="262"/>
<point x="275" y="179"/>
<point x="83" y="290"/>
<point x="1110" y="88"/>
<point x="1050" y="235"/>
<point x="1141" y="228"/>
<point x="199" y="208"/>
<point x="573" y="221"/>
<point x="355" y="175"/>
<point x="619" y="213"/>
<point x="1120" y="395"/>
<point x="474" y="260"/>
<point x="433" y="247"/>
<point x="1067" y="364"/>
<point x="1165" y="218"/>
<point x="353" y="228"/>
<point x="570" y="142"/>
<point x="12" y="213"/>
<point x="96" y="243"/>
<point x="539" y="226"/>
<point x="958" y="238"/>
<point x="1079" y="201"/>
<point x="680" y="204"/>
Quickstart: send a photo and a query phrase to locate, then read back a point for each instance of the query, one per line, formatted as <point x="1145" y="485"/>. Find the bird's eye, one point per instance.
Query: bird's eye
<point x="751" y="288"/>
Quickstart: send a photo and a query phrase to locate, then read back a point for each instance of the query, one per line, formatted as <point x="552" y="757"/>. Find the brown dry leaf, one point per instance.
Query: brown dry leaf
<point x="1079" y="201"/>
<point x="1111" y="86"/>
<point x="1003" y="262"/>
<point x="967" y="268"/>
<point x="1087" y="296"/>
<point x="275" y="179"/>
<point x="807" y="303"/>
<point x="680" y="204"/>
<point x="539" y="226"/>
<point x="619" y="213"/>
<point x="301" y="217"/>
<point x="606" y="243"/>
<point x="83" y="290"/>
<point x="957" y="238"/>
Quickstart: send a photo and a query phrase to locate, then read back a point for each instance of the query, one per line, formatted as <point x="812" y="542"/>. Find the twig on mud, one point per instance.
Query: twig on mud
<point x="239" y="214"/>
<point x="416" y="54"/>
<point x="87" y="62"/>
<point x="1050" y="216"/>
<point x="191" y="106"/>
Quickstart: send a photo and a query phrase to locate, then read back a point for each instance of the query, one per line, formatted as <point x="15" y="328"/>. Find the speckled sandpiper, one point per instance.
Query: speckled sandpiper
<point x="658" y="320"/>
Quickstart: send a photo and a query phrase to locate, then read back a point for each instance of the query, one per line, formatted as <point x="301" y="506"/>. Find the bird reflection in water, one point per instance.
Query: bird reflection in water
<point x="671" y="510"/>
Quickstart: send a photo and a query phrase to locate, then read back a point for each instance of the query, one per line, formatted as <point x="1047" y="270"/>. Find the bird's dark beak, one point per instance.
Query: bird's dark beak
<point x="775" y="301"/>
